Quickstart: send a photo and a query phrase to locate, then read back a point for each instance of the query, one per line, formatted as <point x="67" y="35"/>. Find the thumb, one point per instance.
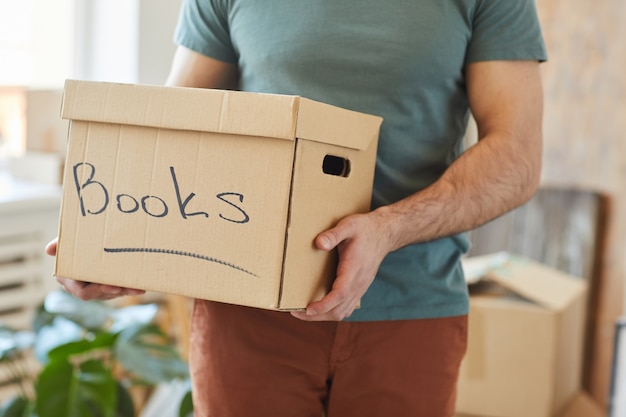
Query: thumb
<point x="329" y="239"/>
<point x="51" y="248"/>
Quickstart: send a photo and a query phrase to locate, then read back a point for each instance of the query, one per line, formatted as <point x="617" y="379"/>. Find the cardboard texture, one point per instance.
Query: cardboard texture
<point x="525" y="346"/>
<point x="208" y="193"/>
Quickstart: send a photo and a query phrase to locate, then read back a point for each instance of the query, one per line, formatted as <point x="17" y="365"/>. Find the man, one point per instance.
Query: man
<point x="389" y="338"/>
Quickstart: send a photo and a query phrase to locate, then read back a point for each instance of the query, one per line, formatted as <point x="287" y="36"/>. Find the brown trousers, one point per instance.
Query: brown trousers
<point x="247" y="362"/>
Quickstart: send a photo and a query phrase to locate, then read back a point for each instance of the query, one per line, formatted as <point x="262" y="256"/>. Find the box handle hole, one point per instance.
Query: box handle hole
<point x="336" y="165"/>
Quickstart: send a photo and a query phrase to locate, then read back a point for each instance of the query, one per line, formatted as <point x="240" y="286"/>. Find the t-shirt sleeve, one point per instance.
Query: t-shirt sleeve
<point x="506" y="30"/>
<point x="203" y="27"/>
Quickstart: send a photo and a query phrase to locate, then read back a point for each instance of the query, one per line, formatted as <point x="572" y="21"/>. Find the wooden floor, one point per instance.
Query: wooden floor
<point x="585" y="137"/>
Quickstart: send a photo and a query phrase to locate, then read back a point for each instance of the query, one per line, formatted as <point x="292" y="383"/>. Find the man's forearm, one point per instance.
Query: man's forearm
<point x="490" y="179"/>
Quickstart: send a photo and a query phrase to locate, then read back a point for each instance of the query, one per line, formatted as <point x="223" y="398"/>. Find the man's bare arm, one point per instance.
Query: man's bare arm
<point x="496" y="175"/>
<point x="191" y="69"/>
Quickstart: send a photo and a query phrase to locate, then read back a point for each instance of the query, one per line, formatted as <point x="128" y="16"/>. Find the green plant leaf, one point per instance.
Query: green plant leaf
<point x="146" y="353"/>
<point x="86" y="390"/>
<point x="125" y="406"/>
<point x="14" y="342"/>
<point x="186" y="406"/>
<point x="59" y="332"/>
<point x="16" y="407"/>
<point x="102" y="340"/>
<point x="92" y="315"/>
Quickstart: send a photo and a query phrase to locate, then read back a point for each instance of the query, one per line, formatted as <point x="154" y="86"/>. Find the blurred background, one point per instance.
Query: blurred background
<point x="577" y="223"/>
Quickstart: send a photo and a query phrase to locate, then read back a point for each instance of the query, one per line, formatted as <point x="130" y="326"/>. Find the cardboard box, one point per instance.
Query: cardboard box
<point x="525" y="347"/>
<point x="45" y="131"/>
<point x="12" y="121"/>
<point x="582" y="405"/>
<point x="207" y="193"/>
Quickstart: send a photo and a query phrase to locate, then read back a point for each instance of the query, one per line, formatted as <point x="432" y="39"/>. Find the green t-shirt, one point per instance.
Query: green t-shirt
<point x="400" y="59"/>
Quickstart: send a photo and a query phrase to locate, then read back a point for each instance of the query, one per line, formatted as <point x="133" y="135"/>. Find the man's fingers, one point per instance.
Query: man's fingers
<point x="335" y="306"/>
<point x="338" y="313"/>
<point x="91" y="291"/>
<point x="51" y="248"/>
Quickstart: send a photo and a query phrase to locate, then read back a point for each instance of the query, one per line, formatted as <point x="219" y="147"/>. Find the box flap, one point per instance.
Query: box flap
<point x="546" y="286"/>
<point x="583" y="406"/>
<point x="475" y="267"/>
<point x="340" y="126"/>
<point x="197" y="109"/>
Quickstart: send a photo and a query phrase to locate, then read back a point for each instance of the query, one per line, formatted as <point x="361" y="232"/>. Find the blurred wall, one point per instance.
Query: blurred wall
<point x="585" y="137"/>
<point x="125" y="40"/>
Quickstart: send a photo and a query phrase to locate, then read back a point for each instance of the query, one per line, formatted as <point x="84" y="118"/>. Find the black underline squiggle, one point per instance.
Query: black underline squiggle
<point x="180" y="253"/>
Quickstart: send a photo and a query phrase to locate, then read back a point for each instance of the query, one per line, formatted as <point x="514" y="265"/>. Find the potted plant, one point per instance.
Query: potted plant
<point x="91" y="355"/>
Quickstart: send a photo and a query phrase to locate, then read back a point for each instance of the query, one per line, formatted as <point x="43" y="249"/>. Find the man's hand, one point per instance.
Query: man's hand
<point x="88" y="290"/>
<point x="362" y="242"/>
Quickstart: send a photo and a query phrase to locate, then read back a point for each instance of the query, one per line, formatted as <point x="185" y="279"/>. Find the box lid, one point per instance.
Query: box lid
<point x="546" y="286"/>
<point x="336" y="126"/>
<point x="231" y="112"/>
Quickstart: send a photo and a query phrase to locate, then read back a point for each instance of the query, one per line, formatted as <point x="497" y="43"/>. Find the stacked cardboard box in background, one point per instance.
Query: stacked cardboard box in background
<point x="45" y="136"/>
<point x="525" y="347"/>
<point x="12" y="120"/>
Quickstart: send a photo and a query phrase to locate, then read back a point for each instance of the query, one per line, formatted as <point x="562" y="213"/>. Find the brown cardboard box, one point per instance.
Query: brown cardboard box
<point x="12" y="122"/>
<point x="209" y="193"/>
<point x="582" y="405"/>
<point x="525" y="345"/>
<point x="45" y="131"/>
